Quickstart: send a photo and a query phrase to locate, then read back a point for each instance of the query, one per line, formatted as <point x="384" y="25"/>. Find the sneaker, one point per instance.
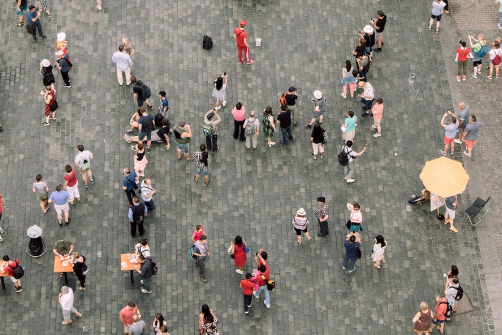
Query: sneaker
<point x="239" y="271"/>
<point x="474" y="76"/>
<point x="479" y="71"/>
<point x="92" y="181"/>
<point x="250" y="62"/>
<point x="99" y="7"/>
<point x="1" y="230"/>
<point x="464" y="78"/>
<point x="350" y="271"/>
<point x="467" y="154"/>
<point x="19" y="289"/>
<point x="378" y="49"/>
<point x="454" y="230"/>
<point x="499" y="25"/>
<point x="53" y="118"/>
<point x="20" y="24"/>
<point x="458" y="78"/>
<point x="268" y="306"/>
<point x="374" y="127"/>
<point x="246" y="312"/>
<point x="377" y="135"/>
<point x="148" y="150"/>
<point x="1" y="239"/>
<point x="46" y="124"/>
<point x="350" y="180"/>
<point x="86" y="186"/>
<point x="127" y="138"/>
<point x="142" y="281"/>
<point x="145" y="291"/>
<point x="437" y="31"/>
<point x="204" y="280"/>
<point x="343" y="267"/>
<point x="150" y="107"/>
<point x="489" y="77"/>
<point x="217" y="108"/>
<point x="224" y="103"/>
<point x="251" y="304"/>
<point x="344" y="96"/>
<point x="442" y="152"/>
<point x="314" y="156"/>
<point x="457" y="141"/>
<point x="430" y="28"/>
<point x="256" y="295"/>
<point x="452" y="153"/>
<point x="43" y="36"/>
<point x="67" y="86"/>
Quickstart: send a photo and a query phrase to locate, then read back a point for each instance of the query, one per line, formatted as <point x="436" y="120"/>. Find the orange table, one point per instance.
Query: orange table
<point x="59" y="267"/>
<point x="131" y="267"/>
<point x="1" y="277"/>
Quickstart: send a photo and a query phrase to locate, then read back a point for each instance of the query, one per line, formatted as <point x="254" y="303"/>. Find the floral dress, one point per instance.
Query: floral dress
<point x="211" y="327"/>
<point x="268" y="130"/>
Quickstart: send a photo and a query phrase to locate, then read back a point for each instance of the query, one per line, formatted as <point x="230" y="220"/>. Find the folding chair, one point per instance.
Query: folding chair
<point x="480" y="204"/>
<point x="471" y="213"/>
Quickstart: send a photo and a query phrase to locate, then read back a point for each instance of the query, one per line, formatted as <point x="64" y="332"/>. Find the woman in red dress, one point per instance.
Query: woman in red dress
<point x="239" y="254"/>
<point x="49" y="99"/>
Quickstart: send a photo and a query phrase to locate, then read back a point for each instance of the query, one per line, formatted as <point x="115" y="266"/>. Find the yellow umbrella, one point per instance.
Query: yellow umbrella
<point x="444" y="177"/>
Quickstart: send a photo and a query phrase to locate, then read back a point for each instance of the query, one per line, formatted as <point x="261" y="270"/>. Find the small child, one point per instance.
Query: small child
<point x="248" y="288"/>
<point x="198" y="232"/>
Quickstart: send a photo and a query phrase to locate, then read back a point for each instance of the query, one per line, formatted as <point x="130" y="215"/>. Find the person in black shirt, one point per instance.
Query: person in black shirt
<point x="291" y="98"/>
<point x="146" y="272"/>
<point x="284" y="119"/>
<point x="379" y="25"/>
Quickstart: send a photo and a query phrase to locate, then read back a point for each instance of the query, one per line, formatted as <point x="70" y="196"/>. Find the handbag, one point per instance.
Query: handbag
<point x="358" y="252"/>
<point x="343" y="128"/>
<point x="324" y="138"/>
<point x="348" y="224"/>
<point x="246" y="248"/>
<point x="230" y="251"/>
<point x="53" y="105"/>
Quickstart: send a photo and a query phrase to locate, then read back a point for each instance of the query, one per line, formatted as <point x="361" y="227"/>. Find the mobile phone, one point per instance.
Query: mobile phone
<point x="224" y="73"/>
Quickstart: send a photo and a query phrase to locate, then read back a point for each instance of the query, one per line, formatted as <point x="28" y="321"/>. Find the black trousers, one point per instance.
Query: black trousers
<point x="324" y="227"/>
<point x="238" y="128"/>
<point x="212" y="143"/>
<point x="140" y="226"/>
<point x="66" y="78"/>
<point x="247" y="302"/>
<point x="130" y="195"/>
<point x="81" y="279"/>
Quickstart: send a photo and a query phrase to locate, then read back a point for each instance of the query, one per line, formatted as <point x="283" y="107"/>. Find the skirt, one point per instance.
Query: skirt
<point x="140" y="165"/>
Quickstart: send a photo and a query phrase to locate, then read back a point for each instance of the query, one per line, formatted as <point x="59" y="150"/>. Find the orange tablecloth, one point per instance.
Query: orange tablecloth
<point x="129" y="266"/>
<point x="58" y="265"/>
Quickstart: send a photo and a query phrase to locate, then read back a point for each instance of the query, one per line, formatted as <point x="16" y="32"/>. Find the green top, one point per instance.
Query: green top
<point x="62" y="246"/>
<point x="350" y="122"/>
<point x="500" y="5"/>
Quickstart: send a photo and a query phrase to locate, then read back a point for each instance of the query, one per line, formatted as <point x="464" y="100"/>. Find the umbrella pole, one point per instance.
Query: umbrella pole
<point x="439" y="216"/>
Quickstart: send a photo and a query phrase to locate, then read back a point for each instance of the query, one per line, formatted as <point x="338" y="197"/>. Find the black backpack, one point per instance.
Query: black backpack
<point x="449" y="310"/>
<point x="343" y="157"/>
<point x="158" y="119"/>
<point x="147" y="126"/>
<point x="18" y="271"/>
<point x="207" y="42"/>
<point x="460" y="292"/>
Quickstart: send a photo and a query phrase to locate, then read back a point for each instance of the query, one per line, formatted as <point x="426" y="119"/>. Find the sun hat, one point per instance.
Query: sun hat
<point x="45" y="62"/>
<point x="368" y="29"/>
<point x="317" y="94"/>
<point x="60" y="53"/>
<point x="301" y="212"/>
<point x="61" y="37"/>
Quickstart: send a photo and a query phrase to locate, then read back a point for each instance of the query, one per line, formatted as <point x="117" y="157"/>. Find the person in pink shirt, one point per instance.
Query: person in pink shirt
<point x="239" y="113"/>
<point x="377" y="112"/>
<point x="198" y="232"/>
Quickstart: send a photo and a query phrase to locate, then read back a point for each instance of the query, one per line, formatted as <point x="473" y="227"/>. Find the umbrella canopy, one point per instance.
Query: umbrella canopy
<point x="444" y="177"/>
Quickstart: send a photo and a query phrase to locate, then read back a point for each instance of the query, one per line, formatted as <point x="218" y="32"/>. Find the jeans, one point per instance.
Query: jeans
<point x="66" y="78"/>
<point x="212" y="143"/>
<point x="202" y="266"/>
<point x="146" y="284"/>
<point x="140" y="225"/>
<point x="248" y="300"/>
<point x="130" y="194"/>
<point x="352" y="263"/>
<point x="267" y="293"/>
<point x="238" y="128"/>
<point x="349" y="170"/>
<point x="367" y="104"/>
<point x="286" y="133"/>
<point x="127" y="75"/>
<point x="150" y="205"/>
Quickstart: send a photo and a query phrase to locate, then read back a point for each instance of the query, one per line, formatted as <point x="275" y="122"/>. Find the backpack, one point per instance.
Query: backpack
<point x="155" y="268"/>
<point x="270" y="285"/>
<point x="147" y="126"/>
<point x="18" y="271"/>
<point x="282" y="100"/>
<point x="497" y="60"/>
<point x="31" y="29"/>
<point x="207" y="42"/>
<point x="482" y="51"/>
<point x="207" y="129"/>
<point x="449" y="310"/>
<point x="460" y="292"/>
<point x="343" y="157"/>
<point x="158" y="119"/>
<point x="250" y="127"/>
<point x="48" y="77"/>
<point x="190" y="252"/>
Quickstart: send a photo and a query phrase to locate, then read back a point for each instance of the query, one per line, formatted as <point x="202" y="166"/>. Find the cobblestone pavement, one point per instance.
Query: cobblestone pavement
<point x="254" y="193"/>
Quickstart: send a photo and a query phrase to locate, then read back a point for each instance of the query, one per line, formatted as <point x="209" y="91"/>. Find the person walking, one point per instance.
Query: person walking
<point x="22" y="5"/>
<point x="356" y="217"/>
<point x="146" y="272"/>
<point x="163" y="104"/>
<point x="349" y="127"/>
<point x="351" y="154"/>
<point x="241" y="40"/>
<point x="211" y="130"/>
<point x="450" y="131"/>
<point x="251" y="129"/>
<point x="140" y="161"/>
<point x="136" y="215"/>
<point x="440" y="311"/>
<point x="300" y="223"/>
<point x="291" y="97"/>
<point x="377" y="112"/>
<point x="269" y="125"/>
<point x="319" y="108"/>
<point x="64" y="65"/>
<point x="220" y="89"/>
<point x="317" y="139"/>
<point x="351" y="245"/>
<point x="201" y="164"/>
<point x="47" y="75"/>
<point x="42" y="190"/>
<point x="495" y="56"/>
<point x="284" y="121"/>
<point x="83" y="164"/>
<point x="437" y="12"/>
<point x="463" y="54"/>
<point x="450" y="293"/>
<point x="9" y="266"/>
<point x="451" y="205"/>
<point x="141" y="92"/>
<point x="453" y="273"/>
<point x="129" y="185"/>
<point x="471" y="134"/>
<point x="262" y="280"/>
<point x="182" y="136"/>
<point x="60" y="198"/>
<point x="367" y="97"/>
<point x="239" y="114"/>
<point x="123" y="62"/>
<point x="2" y="206"/>
<point x="66" y="299"/>
<point x="248" y="289"/>
<point x="50" y="105"/>
<point x="33" y="19"/>
<point x="197" y="233"/>
<point x="322" y="216"/>
<point x="237" y="250"/>
<point x="478" y="53"/>
<point x="126" y="314"/>
<point x="422" y="320"/>
<point x="208" y="322"/>
<point x="71" y="183"/>
<point x="201" y="250"/>
<point x="377" y="254"/>
<point x="147" y="193"/>
<point x="379" y="24"/>
<point x="80" y="269"/>
<point x="348" y="79"/>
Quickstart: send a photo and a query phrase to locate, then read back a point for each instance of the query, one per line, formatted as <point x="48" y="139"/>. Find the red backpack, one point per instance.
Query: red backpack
<point x="497" y="60"/>
<point x="282" y="100"/>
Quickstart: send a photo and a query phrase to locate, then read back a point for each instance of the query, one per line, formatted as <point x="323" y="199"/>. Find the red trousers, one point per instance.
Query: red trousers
<point x="240" y="49"/>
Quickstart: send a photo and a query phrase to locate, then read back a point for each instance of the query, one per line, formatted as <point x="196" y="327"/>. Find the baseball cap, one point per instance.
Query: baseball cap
<point x="243" y="23"/>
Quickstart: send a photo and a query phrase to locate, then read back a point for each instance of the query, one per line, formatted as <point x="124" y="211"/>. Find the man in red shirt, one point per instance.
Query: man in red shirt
<point x="441" y="309"/>
<point x="126" y="315"/>
<point x="262" y="281"/>
<point x="2" y="205"/>
<point x="241" y="39"/>
<point x="71" y="183"/>
<point x="8" y="267"/>
<point x="248" y="289"/>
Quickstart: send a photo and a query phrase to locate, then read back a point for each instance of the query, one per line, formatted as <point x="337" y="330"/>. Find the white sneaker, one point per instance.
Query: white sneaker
<point x="457" y="141"/>
<point x="377" y="135"/>
<point x="256" y="296"/>
<point x="217" y="108"/>
<point x="239" y="271"/>
<point x="268" y="306"/>
<point x="350" y="180"/>
<point x="145" y="291"/>
<point x="344" y="96"/>
<point x="141" y="281"/>
<point x="224" y="103"/>
<point x="442" y="152"/>
<point x="374" y="127"/>
<point x="99" y="7"/>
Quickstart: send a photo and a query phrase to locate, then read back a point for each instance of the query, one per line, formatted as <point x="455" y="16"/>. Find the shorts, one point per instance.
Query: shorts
<point x="376" y="122"/>
<point x="13" y="279"/>
<point x="437" y="321"/>
<point x="447" y="140"/>
<point x="22" y="9"/>
<point x="450" y="212"/>
<point x="437" y="17"/>
<point x="469" y="143"/>
<point x="126" y="329"/>
<point x="61" y="208"/>
<point x="184" y="147"/>
<point x="198" y="171"/>
<point x="476" y="62"/>
<point x="299" y="231"/>
<point x="142" y="135"/>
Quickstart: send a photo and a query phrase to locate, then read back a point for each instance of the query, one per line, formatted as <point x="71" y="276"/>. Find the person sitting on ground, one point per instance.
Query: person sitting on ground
<point x="161" y="136"/>
<point x="134" y="120"/>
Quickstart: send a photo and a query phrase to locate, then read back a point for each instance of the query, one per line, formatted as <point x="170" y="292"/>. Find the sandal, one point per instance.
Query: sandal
<point x="195" y="180"/>
<point x="79" y="315"/>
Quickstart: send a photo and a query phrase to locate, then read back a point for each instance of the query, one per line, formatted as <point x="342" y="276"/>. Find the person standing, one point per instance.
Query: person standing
<point x="61" y="249"/>
<point x="291" y="101"/>
<point x="80" y="269"/>
<point x="182" y="136"/>
<point x="211" y="121"/>
<point x="377" y="112"/>
<point x="463" y="117"/>
<point x="284" y="121"/>
<point x="140" y="161"/>
<point x="126" y="314"/>
<point x="441" y="309"/>
<point x="123" y="62"/>
<point x="237" y="250"/>
<point x="317" y="139"/>
<point x="64" y="66"/>
<point x="60" y="199"/>
<point x="71" y="183"/>
<point x="129" y="185"/>
<point x="477" y="53"/>
<point x="437" y="12"/>
<point x="252" y="129"/>
<point x="349" y="125"/>
<point x="9" y="267"/>
<point x="3" y="206"/>
<point x="66" y="299"/>
<point x="269" y="125"/>
<point x="158" y="322"/>
<point x="262" y="281"/>
<point x="201" y="250"/>
<point x="241" y="40"/>
<point x="50" y="105"/>
<point x="422" y="320"/>
<point x="219" y="90"/>
<point x="127" y="46"/>
<point x="138" y="326"/>
<point x="450" y="131"/>
<point x="499" y="4"/>
<point x="495" y="55"/>
<point x="22" y="5"/>
<point x="356" y="217"/>
<point x="146" y="272"/>
<point x="367" y="96"/>
<point x="141" y="92"/>
<point x="463" y="54"/>
<point x="147" y="193"/>
<point x="136" y="215"/>
<point x="83" y="164"/>
<point x="300" y="223"/>
<point x="379" y="25"/>
<point x="351" y="245"/>
<point x="163" y="104"/>
<point x="145" y="128"/>
<point x="248" y="289"/>
<point x="208" y="323"/>
<point x="322" y="216"/>
<point x="42" y="190"/>
<point x="33" y="19"/>
<point x="47" y="75"/>
<point x="319" y="108"/>
<point x="201" y="164"/>
<point x="369" y="37"/>
<point x="453" y="273"/>
<point x="451" y="205"/>
<point x="348" y="79"/>
<point x="239" y="114"/>
<point x="349" y="168"/>
<point x="471" y="134"/>
<point x="377" y="254"/>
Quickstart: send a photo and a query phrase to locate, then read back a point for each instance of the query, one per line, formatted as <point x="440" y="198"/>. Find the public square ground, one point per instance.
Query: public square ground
<point x="254" y="193"/>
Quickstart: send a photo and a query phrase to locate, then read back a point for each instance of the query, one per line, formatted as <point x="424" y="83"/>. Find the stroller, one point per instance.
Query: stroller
<point x="415" y="200"/>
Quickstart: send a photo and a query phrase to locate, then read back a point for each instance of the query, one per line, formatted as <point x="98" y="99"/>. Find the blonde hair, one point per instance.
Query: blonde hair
<point x="424" y="306"/>
<point x="126" y="42"/>
<point x="76" y="255"/>
<point x="481" y="38"/>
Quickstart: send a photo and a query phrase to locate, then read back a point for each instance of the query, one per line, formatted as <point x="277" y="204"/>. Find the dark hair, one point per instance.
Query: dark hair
<point x="203" y="159"/>
<point x="380" y="13"/>
<point x="264" y="255"/>
<point x="80" y="147"/>
<point x="349" y="143"/>
<point x="268" y="111"/>
<point x="348" y="65"/>
<point x="317" y="131"/>
<point x="162" y="94"/>
<point x="262" y="268"/>
<point x="121" y="48"/>
<point x="238" y="106"/>
<point x="68" y="168"/>
<point x="453" y="119"/>
<point x="59" y="187"/>
<point x="455" y="281"/>
<point x="141" y="257"/>
<point x="31" y="7"/>
<point x="133" y="79"/>
<point x="143" y="241"/>
<point x="135" y="199"/>
<point x="454" y="271"/>
<point x="352" y="238"/>
<point x="284" y="107"/>
<point x="248" y="276"/>
<point x="379" y="101"/>
<point x="203" y="237"/>
<point x="131" y="304"/>
<point x="350" y="113"/>
<point x="208" y="317"/>
<point x="39" y="177"/>
<point x="6" y="258"/>
<point x="139" y="112"/>
<point x="159" y="317"/>
<point x="380" y="240"/>
<point x="473" y="117"/>
<point x="165" y="121"/>
<point x="356" y="205"/>
<point x="354" y="73"/>
<point x="218" y="83"/>
<point x="238" y="240"/>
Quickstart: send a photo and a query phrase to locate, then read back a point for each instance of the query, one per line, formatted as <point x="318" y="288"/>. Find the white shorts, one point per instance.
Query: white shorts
<point x="14" y="280"/>
<point x="61" y="208"/>
<point x="451" y="213"/>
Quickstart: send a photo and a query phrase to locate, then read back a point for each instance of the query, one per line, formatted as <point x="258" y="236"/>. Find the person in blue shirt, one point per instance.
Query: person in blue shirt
<point x="33" y="18"/>
<point x="60" y="199"/>
<point x="164" y="104"/>
<point x="128" y="185"/>
<point x="351" y="244"/>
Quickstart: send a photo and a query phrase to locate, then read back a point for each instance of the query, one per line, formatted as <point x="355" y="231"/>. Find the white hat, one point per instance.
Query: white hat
<point x="61" y="37"/>
<point x="45" y="62"/>
<point x="60" y="53"/>
<point x="301" y="212"/>
<point x="368" y="29"/>
<point x="317" y="94"/>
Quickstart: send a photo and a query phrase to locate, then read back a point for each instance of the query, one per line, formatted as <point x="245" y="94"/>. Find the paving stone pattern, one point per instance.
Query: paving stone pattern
<point x="254" y="193"/>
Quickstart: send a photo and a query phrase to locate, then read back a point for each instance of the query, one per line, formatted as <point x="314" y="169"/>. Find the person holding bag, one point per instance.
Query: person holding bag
<point x="237" y="250"/>
<point x="356" y="218"/>
<point x="50" y="105"/>
<point x="349" y="127"/>
<point x="300" y="223"/>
